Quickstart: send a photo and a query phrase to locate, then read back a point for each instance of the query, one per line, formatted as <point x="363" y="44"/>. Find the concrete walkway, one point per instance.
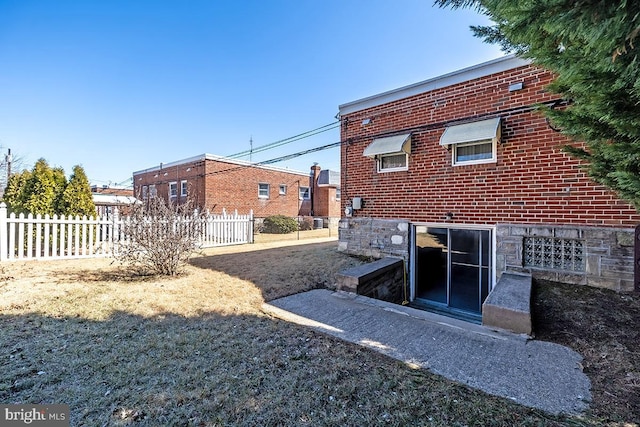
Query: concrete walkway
<point x="534" y="373"/>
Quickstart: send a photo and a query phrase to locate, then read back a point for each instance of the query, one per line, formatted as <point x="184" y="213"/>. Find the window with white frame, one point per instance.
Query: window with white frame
<point x="474" y="152"/>
<point x="391" y="152"/>
<point x="145" y="192"/>
<point x="474" y="142"/>
<point x="283" y="189"/>
<point x="263" y="190"/>
<point x="153" y="191"/>
<point x="183" y="188"/>
<point x="393" y="162"/>
<point x="173" y="189"/>
<point x="304" y="193"/>
<point x="338" y="193"/>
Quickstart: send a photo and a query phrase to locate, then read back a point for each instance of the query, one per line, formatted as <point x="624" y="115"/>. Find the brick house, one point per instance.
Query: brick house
<point x="108" y="198"/>
<point x="215" y="183"/>
<point x="461" y="177"/>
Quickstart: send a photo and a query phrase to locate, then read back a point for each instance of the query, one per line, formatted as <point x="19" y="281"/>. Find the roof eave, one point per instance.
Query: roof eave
<point x="476" y="71"/>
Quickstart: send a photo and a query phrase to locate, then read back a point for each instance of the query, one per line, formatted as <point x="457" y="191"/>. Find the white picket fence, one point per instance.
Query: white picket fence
<point x="37" y="237"/>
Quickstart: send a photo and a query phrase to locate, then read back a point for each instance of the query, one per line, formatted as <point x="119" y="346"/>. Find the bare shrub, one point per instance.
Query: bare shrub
<point x="305" y="224"/>
<point x="159" y="237"/>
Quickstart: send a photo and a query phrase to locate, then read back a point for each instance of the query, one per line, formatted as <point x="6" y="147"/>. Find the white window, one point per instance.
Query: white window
<point x="391" y="152"/>
<point x="183" y="188"/>
<point x="473" y="143"/>
<point x="145" y="192"/>
<point x="153" y="192"/>
<point x="393" y="162"/>
<point x="338" y="193"/>
<point x="173" y="189"/>
<point x="304" y="193"/>
<point x="263" y="191"/>
<point x="283" y="189"/>
<point x="474" y="153"/>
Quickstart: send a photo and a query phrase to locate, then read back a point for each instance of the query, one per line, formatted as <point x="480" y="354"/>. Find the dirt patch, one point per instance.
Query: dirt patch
<point x="604" y="327"/>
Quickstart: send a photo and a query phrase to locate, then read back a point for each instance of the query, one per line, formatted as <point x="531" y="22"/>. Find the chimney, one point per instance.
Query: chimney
<point x="313" y="184"/>
<point x="315" y="173"/>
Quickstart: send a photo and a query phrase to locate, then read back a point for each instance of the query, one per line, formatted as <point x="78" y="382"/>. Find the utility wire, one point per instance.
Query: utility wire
<point x="300" y="153"/>
<point x="277" y="159"/>
<point x="288" y="140"/>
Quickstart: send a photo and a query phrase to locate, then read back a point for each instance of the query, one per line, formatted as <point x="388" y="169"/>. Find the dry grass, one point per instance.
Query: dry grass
<point x="319" y="233"/>
<point x="197" y="350"/>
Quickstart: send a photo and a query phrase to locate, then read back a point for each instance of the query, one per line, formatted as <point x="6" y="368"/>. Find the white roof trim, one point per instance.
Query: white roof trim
<point x="207" y="156"/>
<point x="471" y="132"/>
<point x="388" y="145"/>
<point x="112" y="199"/>
<point x="476" y="71"/>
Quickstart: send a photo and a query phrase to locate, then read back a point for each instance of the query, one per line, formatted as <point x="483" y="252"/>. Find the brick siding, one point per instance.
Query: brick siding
<point x="533" y="186"/>
<point x="533" y="180"/>
<point x="214" y="185"/>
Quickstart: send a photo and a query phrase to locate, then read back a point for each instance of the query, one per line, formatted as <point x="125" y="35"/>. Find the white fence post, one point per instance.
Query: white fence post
<point x="3" y="232"/>
<point x="35" y="237"/>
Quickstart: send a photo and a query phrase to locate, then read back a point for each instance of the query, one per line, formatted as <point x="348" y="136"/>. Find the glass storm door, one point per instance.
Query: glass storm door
<point x="453" y="267"/>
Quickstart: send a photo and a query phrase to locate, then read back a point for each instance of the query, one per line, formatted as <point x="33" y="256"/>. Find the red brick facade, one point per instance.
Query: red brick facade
<point x="532" y="181"/>
<point x="215" y="183"/>
<point x="535" y="199"/>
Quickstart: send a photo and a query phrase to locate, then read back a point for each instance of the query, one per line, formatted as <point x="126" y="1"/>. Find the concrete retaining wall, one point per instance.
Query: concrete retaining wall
<point x="382" y="279"/>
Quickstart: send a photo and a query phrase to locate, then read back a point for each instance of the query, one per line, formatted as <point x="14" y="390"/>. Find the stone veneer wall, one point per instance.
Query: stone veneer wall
<point x="608" y="254"/>
<point x="374" y="237"/>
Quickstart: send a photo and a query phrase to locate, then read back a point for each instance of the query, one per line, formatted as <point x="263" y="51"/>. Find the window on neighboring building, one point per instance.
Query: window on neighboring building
<point x="283" y="189"/>
<point x="183" y="188"/>
<point x="304" y="193"/>
<point x="476" y="152"/>
<point x="173" y="189"/>
<point x="145" y="192"/>
<point x="338" y="193"/>
<point x="153" y="192"/>
<point x="393" y="162"/>
<point x="263" y="191"/>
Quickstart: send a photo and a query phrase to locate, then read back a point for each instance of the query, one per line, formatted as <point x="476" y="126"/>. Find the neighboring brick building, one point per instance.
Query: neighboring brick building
<point x="107" y="199"/>
<point x="215" y="183"/>
<point x="463" y="178"/>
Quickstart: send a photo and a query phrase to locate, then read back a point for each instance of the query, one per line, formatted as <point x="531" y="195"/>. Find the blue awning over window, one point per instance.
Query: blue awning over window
<point x="389" y="145"/>
<point x="472" y="132"/>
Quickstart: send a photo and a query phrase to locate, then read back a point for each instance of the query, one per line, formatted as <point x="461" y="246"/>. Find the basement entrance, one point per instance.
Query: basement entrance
<point x="452" y="270"/>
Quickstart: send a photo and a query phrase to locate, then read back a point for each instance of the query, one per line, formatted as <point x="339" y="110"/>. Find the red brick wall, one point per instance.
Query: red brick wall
<point x="192" y="172"/>
<point x="533" y="180"/>
<point x="217" y="185"/>
<point x="237" y="187"/>
<point x="325" y="203"/>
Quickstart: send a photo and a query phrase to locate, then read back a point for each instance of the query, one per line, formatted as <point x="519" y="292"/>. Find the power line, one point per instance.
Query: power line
<point x="300" y="153"/>
<point x="277" y="159"/>
<point x="288" y="140"/>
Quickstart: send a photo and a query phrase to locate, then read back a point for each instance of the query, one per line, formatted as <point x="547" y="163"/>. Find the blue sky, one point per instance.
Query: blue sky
<point x="119" y="86"/>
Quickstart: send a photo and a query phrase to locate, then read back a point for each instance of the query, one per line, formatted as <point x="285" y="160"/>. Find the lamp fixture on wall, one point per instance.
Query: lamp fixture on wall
<point x="448" y="216"/>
